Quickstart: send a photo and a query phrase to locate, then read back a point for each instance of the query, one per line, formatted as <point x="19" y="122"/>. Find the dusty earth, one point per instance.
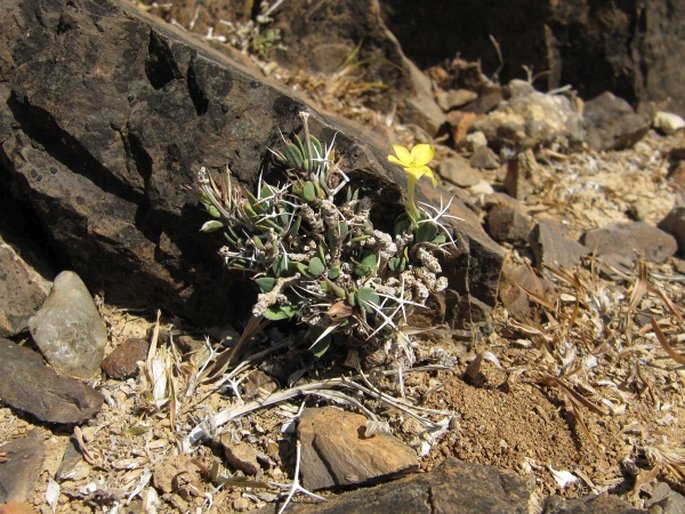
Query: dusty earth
<point x="582" y="385"/>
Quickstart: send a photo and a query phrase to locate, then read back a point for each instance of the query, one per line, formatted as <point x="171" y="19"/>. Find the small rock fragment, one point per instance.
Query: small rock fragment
<point x="515" y="299"/>
<point x="668" y="122"/>
<point x="240" y="456"/>
<point x="179" y="474"/>
<point x="552" y="249"/>
<point x="520" y="180"/>
<point x="22" y="290"/>
<point x="33" y="387"/>
<point x="484" y="158"/>
<point x="122" y="363"/>
<point x="592" y="504"/>
<point x="473" y="141"/>
<point x="530" y="119"/>
<point x="258" y="384"/>
<point x="20" y="467"/>
<point x="612" y="124"/>
<point x="506" y="223"/>
<point x="674" y="224"/>
<point x="626" y="242"/>
<point x="335" y="451"/>
<point x="454" y="98"/>
<point x="16" y="508"/>
<point x="457" y="170"/>
<point x="68" y="328"/>
<point x="663" y="499"/>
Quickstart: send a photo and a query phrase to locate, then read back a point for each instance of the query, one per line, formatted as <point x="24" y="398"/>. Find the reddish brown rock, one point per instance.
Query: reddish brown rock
<point x="20" y="467"/>
<point x="336" y="452"/>
<point x="507" y="223"/>
<point x="552" y="248"/>
<point x="123" y="361"/>
<point x="516" y="280"/>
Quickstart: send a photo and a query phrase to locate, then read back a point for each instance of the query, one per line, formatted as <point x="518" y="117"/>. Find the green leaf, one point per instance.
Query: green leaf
<point x="280" y="265"/>
<point x="279" y="312"/>
<point x="367" y="265"/>
<point x="321" y="347"/>
<point x="309" y="191"/>
<point x="397" y="264"/>
<point x="211" y="226"/>
<point x="439" y="239"/>
<point x="366" y="296"/>
<point x="293" y="155"/>
<point x="316" y="147"/>
<point x="334" y="273"/>
<point x="265" y="284"/>
<point x="425" y="232"/>
<point x="401" y="226"/>
<point x="213" y="211"/>
<point x="316" y="266"/>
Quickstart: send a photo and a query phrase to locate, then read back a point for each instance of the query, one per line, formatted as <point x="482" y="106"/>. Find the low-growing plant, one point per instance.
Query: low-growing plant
<point x="306" y="237"/>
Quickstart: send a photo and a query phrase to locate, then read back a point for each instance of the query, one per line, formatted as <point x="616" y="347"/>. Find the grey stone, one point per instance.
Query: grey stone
<point x="102" y="145"/>
<point x="674" y="224"/>
<point x="68" y="328"/>
<point x="22" y="290"/>
<point x="552" y="248"/>
<point x="336" y="451"/>
<point x="663" y="499"/>
<point x="612" y="124"/>
<point x="454" y="98"/>
<point x="601" y="504"/>
<point x="521" y="177"/>
<point x="630" y="241"/>
<point x="30" y="386"/>
<point x="453" y="487"/>
<point x="529" y="119"/>
<point x="21" y="467"/>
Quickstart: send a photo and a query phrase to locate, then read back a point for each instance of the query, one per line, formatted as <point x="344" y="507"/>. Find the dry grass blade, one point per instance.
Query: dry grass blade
<point x="577" y="397"/>
<point x="645" y="477"/>
<point x="640" y="288"/>
<point x="538" y="298"/>
<point x="680" y="359"/>
<point x="224" y="359"/>
<point x="674" y="310"/>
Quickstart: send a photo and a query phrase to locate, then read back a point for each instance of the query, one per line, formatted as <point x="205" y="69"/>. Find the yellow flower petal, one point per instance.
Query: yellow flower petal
<point x="422" y="154"/>
<point x="395" y="160"/>
<point x="403" y="154"/>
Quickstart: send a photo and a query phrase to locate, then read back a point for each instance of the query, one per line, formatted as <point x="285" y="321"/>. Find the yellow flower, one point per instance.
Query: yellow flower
<point x="415" y="164"/>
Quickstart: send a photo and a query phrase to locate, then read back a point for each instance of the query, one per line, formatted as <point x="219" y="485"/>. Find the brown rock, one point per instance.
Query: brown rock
<point x="30" y="386"/>
<point x="179" y="474"/>
<point x="122" y="363"/>
<point x="484" y="158"/>
<point x="101" y="146"/>
<point x="674" y="224"/>
<point x="16" y="508"/>
<point x="22" y="290"/>
<point x="612" y="124"/>
<point x="520" y="179"/>
<point x="601" y="504"/>
<point x="626" y="242"/>
<point x="453" y="487"/>
<point x="258" y="384"/>
<point x="552" y="249"/>
<point x="335" y="451"/>
<point x="457" y="170"/>
<point x="515" y="299"/>
<point x="21" y="467"/>
<point x="240" y="456"/>
<point x="454" y="98"/>
<point x="507" y="223"/>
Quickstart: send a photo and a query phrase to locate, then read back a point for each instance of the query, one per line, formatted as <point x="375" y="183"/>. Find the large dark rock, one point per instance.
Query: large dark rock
<point x="632" y="48"/>
<point x="454" y="486"/>
<point x="107" y="115"/>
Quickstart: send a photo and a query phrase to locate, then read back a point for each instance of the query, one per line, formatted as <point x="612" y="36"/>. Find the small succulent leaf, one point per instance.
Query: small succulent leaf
<point x="293" y="155"/>
<point x="425" y="232"/>
<point x="367" y="265"/>
<point x="316" y="266"/>
<point x="439" y="239"/>
<point x="303" y="269"/>
<point x="212" y="210"/>
<point x="321" y="347"/>
<point x="265" y="284"/>
<point x="211" y="226"/>
<point x="401" y="226"/>
<point x="365" y="296"/>
<point x="334" y="273"/>
<point x="308" y="191"/>
<point x="316" y="147"/>
<point x="279" y="312"/>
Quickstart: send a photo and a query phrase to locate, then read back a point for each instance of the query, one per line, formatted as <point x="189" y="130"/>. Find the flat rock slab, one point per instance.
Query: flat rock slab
<point x="31" y="386"/>
<point x="20" y="467"/>
<point x="22" y="290"/>
<point x="100" y="146"/>
<point x="454" y="486"/>
<point x="68" y="328"/>
<point x="552" y="248"/>
<point x="335" y="451"/>
<point x="626" y="242"/>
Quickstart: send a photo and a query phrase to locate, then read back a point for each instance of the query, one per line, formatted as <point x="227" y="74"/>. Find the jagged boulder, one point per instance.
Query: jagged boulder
<point x="107" y="115"/>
